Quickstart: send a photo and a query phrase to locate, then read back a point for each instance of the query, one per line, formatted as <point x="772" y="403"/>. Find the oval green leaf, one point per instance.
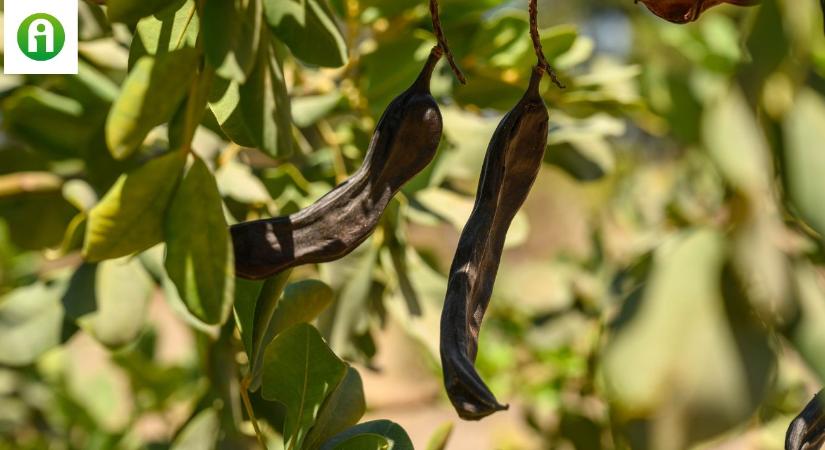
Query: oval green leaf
<point x="256" y="113"/>
<point x="150" y="96"/>
<point x="300" y="372"/>
<point x="308" y="28"/>
<point x="199" y="257"/>
<point x="231" y="37"/>
<point x="129" y="218"/>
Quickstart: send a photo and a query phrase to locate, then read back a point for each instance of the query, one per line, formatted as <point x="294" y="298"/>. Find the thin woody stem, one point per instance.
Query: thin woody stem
<point x="442" y="41"/>
<point x="251" y="412"/>
<point x="534" y="35"/>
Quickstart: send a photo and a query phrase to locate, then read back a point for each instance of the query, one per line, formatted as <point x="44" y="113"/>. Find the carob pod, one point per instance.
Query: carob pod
<point x="511" y="165"/>
<point x="807" y="430"/>
<point x="404" y="142"/>
<point x="683" y="11"/>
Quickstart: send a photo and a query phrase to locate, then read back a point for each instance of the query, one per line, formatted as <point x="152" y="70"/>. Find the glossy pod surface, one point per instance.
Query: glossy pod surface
<point x="404" y="142"/>
<point x="511" y="165"/>
<point x="683" y="11"/>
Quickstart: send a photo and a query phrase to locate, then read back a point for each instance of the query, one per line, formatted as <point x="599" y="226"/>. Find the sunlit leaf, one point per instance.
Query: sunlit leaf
<point x="689" y="347"/>
<point x="309" y="109"/>
<point x="293" y="20"/>
<point x="31" y="322"/>
<point x="201" y="433"/>
<point x="150" y="96"/>
<point x="808" y="334"/>
<point x="256" y="113"/>
<point x="175" y="27"/>
<point x="232" y="31"/>
<point x="440" y="437"/>
<point x="130" y="11"/>
<point x="199" y="257"/>
<point x="300" y="372"/>
<point x="110" y="300"/>
<point x="804" y="159"/>
<point x="129" y="218"/>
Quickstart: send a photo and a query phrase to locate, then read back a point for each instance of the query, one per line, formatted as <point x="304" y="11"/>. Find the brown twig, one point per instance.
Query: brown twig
<point x="534" y="35"/>
<point x="442" y="41"/>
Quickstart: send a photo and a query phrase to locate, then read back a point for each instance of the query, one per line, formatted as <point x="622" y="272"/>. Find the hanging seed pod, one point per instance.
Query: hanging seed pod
<point x="683" y="11"/>
<point x="510" y="167"/>
<point x="807" y="430"/>
<point x="404" y="142"/>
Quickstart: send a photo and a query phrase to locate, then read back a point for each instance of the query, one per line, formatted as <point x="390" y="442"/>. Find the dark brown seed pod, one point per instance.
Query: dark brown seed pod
<point x="683" y="11"/>
<point x="807" y="430"/>
<point x="404" y="142"/>
<point x="511" y="165"/>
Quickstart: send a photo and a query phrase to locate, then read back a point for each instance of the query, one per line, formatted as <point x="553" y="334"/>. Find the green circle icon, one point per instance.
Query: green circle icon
<point x="41" y="37"/>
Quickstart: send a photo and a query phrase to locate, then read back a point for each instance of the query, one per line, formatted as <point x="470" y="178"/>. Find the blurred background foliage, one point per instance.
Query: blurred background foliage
<point x="663" y="288"/>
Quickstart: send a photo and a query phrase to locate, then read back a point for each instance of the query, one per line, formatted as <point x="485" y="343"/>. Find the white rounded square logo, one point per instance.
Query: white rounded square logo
<point x="40" y="36"/>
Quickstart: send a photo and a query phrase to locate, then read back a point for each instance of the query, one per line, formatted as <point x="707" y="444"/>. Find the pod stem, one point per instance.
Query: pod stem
<point x="423" y="80"/>
<point x="534" y="35"/>
<point x="442" y="41"/>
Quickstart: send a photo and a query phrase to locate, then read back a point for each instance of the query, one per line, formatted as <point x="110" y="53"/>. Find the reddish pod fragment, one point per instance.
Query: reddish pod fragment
<point x="683" y="11"/>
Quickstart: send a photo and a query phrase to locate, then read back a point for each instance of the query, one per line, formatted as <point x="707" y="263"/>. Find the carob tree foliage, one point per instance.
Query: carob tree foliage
<point x="109" y="201"/>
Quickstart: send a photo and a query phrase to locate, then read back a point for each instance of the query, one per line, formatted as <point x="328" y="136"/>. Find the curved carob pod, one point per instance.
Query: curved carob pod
<point x="807" y="430"/>
<point x="511" y="165"/>
<point x="684" y="11"/>
<point x="404" y="142"/>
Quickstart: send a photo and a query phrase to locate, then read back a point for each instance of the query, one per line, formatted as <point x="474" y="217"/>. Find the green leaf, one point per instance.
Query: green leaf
<point x="693" y="331"/>
<point x="236" y="181"/>
<point x="130" y="11"/>
<point x="351" y="278"/>
<point x="365" y="442"/>
<point x="398" y="438"/>
<point x="808" y="334"/>
<point x="31" y="322"/>
<point x="737" y="145"/>
<point x="309" y="109"/>
<point x="246" y="298"/>
<point x="300" y="372"/>
<point x="153" y="261"/>
<point x="171" y="29"/>
<point x="440" y="437"/>
<point x="199" y="257"/>
<point x="129" y="218"/>
<point x="343" y="409"/>
<point x="52" y="123"/>
<point x="231" y="37"/>
<point x="150" y="96"/>
<point x="110" y="300"/>
<point x="255" y="301"/>
<point x="308" y="28"/>
<point x="36" y="219"/>
<point x="301" y="303"/>
<point x="201" y="433"/>
<point x="804" y="159"/>
<point x="256" y="113"/>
